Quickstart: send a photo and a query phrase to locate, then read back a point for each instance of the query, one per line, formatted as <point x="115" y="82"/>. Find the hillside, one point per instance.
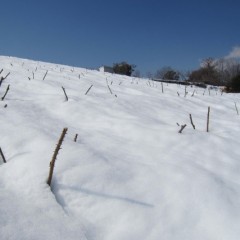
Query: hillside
<point x="130" y="175"/>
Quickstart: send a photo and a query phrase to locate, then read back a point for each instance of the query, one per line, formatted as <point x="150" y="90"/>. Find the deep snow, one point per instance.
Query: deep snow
<point x="130" y="175"/>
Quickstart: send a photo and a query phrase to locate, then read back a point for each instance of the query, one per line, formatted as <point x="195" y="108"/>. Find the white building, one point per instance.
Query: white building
<point x="106" y="69"/>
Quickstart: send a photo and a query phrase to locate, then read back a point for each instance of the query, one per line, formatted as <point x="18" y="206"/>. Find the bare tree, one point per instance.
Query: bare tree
<point x="167" y="73"/>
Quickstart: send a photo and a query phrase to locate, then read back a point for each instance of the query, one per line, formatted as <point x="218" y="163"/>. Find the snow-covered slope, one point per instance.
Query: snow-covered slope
<point x="130" y="175"/>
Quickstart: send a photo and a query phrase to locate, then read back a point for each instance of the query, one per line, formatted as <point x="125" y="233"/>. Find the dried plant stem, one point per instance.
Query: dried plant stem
<point x="8" y="87"/>
<point x="191" y="121"/>
<point x="88" y="90"/>
<point x="65" y="93"/>
<point x="45" y="74"/>
<point x="75" y="138"/>
<point x="109" y="89"/>
<point x="208" y="115"/>
<point x="52" y="163"/>
<point x="2" y="155"/>
<point x="236" y="108"/>
<point x="182" y="127"/>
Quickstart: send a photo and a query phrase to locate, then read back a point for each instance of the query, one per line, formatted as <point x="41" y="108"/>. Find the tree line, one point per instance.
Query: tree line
<point x="217" y="72"/>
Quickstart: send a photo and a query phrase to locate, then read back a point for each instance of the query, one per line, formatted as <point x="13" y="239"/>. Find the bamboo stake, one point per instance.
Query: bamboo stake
<point x="52" y="163"/>
<point x="1" y="153"/>
<point x="208" y="115"/>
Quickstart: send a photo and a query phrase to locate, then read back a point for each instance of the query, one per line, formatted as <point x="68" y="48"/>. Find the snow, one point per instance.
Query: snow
<point x="130" y="175"/>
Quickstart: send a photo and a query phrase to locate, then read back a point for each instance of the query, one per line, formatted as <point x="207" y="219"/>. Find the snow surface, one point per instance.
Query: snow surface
<point x="130" y="175"/>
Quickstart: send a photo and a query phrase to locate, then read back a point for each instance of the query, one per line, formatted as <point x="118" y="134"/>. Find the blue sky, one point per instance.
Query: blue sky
<point x="89" y="33"/>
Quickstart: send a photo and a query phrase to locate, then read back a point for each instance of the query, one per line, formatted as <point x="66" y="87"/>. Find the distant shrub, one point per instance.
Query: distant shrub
<point x="234" y="84"/>
<point x="123" y="68"/>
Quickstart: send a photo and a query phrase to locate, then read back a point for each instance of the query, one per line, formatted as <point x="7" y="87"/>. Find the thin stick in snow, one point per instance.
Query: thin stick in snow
<point x="109" y="89"/>
<point x="162" y="86"/>
<point x="75" y="138"/>
<point x="88" y="90"/>
<point x="182" y="127"/>
<point x="185" y="91"/>
<point x="54" y="157"/>
<point x="1" y="71"/>
<point x="33" y="74"/>
<point x="236" y="108"/>
<point x="8" y="87"/>
<point x="6" y="76"/>
<point x="208" y="115"/>
<point x="45" y="74"/>
<point x="1" y="80"/>
<point x="191" y="121"/>
<point x="65" y="93"/>
<point x="2" y="155"/>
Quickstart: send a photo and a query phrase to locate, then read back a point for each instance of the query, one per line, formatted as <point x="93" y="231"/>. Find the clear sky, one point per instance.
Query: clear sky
<point x="149" y="33"/>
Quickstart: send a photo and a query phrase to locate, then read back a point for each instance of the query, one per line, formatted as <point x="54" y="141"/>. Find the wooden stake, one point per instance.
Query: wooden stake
<point x="52" y="163"/>
<point x="162" y="86"/>
<point x="208" y="115"/>
<point x="2" y="155"/>
<point x="65" y="93"/>
<point x="191" y="121"/>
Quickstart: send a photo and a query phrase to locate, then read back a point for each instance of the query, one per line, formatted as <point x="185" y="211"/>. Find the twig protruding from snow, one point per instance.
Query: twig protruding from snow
<point x="2" y="155"/>
<point x="182" y="127"/>
<point x="208" y="115"/>
<point x="54" y="157"/>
